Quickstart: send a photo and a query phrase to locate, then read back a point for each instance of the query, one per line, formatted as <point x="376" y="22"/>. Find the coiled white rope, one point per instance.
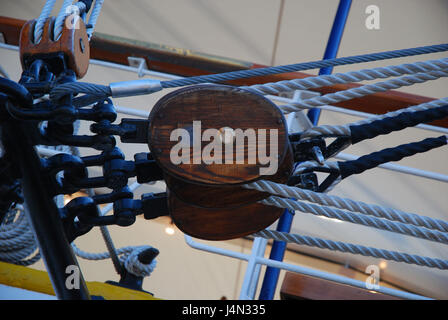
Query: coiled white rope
<point x="17" y="240"/>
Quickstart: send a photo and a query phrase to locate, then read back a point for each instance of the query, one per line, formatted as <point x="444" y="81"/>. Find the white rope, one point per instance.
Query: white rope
<point x="348" y="204"/>
<point x="361" y="219"/>
<point x="333" y="98"/>
<point x="94" y="17"/>
<point x="60" y="19"/>
<point x="275" y="88"/>
<point x="354" y="249"/>
<point x="44" y="14"/>
<point x="17" y="240"/>
<point x="128" y="257"/>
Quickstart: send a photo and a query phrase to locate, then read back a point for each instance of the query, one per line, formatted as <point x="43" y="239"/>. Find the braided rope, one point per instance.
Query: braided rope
<point x="397" y="153"/>
<point x="275" y="88"/>
<point x="44" y="14"/>
<point x="348" y="204"/>
<point x="353" y="93"/>
<point x="344" y="130"/>
<point x="354" y="249"/>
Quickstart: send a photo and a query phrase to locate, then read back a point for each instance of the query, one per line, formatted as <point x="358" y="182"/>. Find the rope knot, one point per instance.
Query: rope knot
<point x="141" y="261"/>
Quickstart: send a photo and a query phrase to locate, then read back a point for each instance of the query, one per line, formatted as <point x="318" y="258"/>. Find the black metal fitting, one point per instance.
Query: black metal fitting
<point x="303" y="149"/>
<point x="146" y="168"/>
<point x="307" y="181"/>
<point x="154" y="205"/>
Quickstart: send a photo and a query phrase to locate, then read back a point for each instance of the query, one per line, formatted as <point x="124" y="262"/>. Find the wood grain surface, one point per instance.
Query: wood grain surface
<point x="216" y="107"/>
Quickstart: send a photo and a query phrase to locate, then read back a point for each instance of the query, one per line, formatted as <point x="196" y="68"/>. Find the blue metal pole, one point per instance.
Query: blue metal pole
<point x="284" y="224"/>
<point x="333" y="43"/>
<point x="277" y="253"/>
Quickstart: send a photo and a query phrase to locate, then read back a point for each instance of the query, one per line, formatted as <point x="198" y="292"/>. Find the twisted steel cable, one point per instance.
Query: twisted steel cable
<point x="221" y="77"/>
<point x="96" y="90"/>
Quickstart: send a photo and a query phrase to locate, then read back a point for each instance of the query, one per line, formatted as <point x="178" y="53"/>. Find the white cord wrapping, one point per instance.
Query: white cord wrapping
<point x="128" y="256"/>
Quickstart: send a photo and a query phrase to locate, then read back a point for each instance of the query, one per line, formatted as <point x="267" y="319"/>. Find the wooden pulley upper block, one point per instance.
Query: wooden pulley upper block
<point x="73" y="43"/>
<point x="217" y="135"/>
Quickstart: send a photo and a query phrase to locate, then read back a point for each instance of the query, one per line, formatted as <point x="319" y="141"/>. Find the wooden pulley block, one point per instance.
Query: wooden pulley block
<point x="217" y="135"/>
<point x="221" y="223"/>
<point x="226" y="196"/>
<point x="73" y="43"/>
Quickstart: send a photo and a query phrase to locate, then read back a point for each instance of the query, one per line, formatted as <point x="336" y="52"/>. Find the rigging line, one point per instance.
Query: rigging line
<point x="354" y="249"/>
<point x="357" y="218"/>
<point x="277" y="31"/>
<point x="60" y="19"/>
<point x="274" y="88"/>
<point x="381" y="124"/>
<point x="341" y="170"/>
<point x="221" y="77"/>
<point x="364" y="90"/>
<point x="94" y="17"/>
<point x="44" y="14"/>
<point x="146" y="86"/>
<point x="348" y="204"/>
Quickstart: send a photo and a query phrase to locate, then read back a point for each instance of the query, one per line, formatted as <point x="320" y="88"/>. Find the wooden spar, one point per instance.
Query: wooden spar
<point x="189" y="63"/>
